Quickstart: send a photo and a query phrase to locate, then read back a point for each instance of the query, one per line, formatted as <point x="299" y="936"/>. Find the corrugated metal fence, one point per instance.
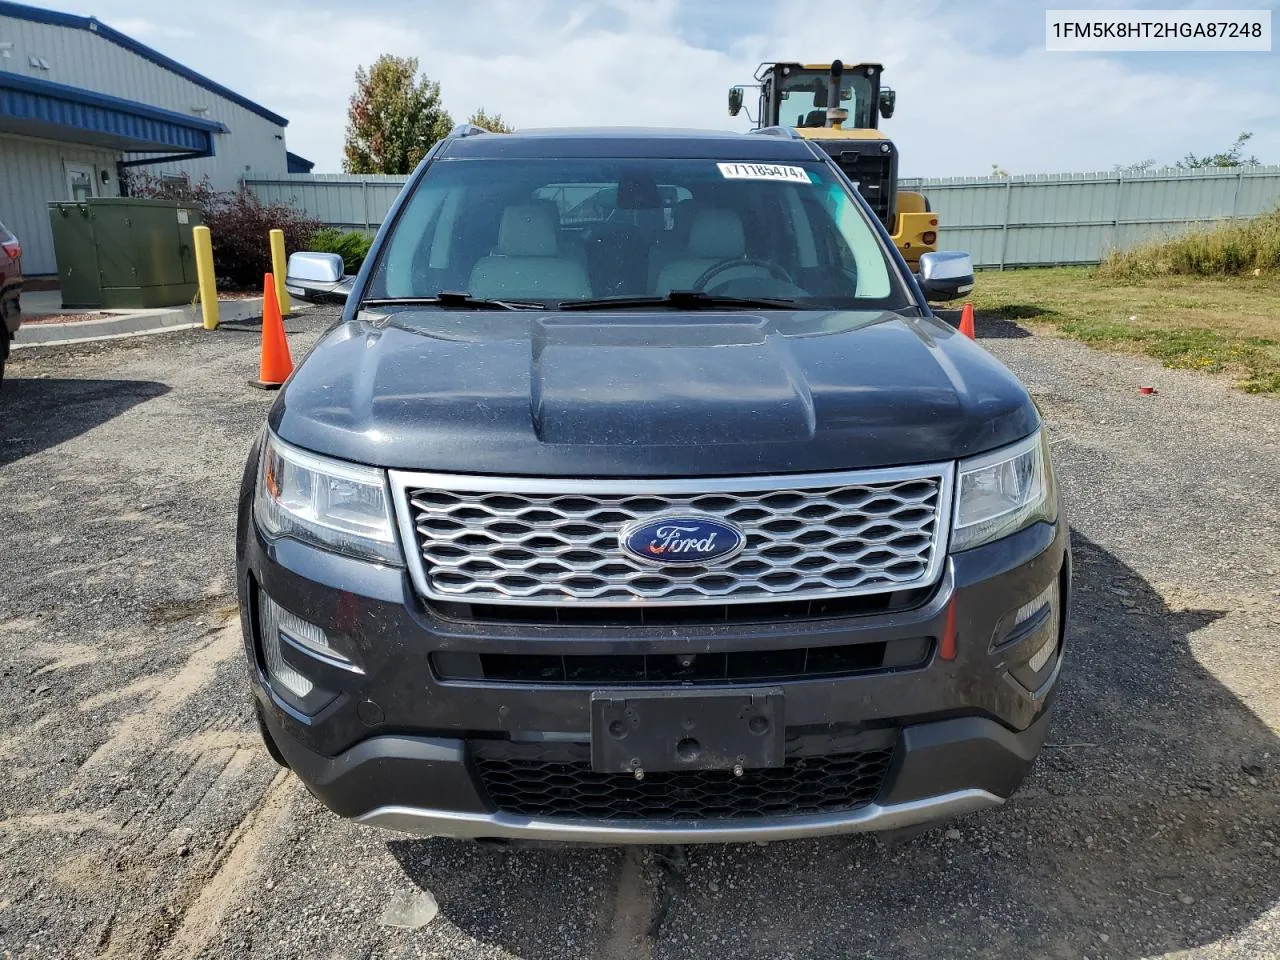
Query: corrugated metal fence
<point x="1003" y="221"/>
<point x="1050" y="219"/>
<point x="349" y="201"/>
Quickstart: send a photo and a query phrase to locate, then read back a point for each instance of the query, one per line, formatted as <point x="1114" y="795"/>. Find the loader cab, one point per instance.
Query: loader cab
<point x="839" y="108"/>
<point x="798" y="95"/>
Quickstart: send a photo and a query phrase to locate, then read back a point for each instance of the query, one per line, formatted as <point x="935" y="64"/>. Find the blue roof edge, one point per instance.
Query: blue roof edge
<point x="20" y="11"/>
<point x="17" y="81"/>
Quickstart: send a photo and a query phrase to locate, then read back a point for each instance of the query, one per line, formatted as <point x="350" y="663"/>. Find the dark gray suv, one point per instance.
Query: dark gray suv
<point x="638" y="496"/>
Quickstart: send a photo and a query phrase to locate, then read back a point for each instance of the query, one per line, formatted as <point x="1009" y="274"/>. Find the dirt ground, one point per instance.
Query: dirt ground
<point x="139" y="815"/>
<point x="1221" y="324"/>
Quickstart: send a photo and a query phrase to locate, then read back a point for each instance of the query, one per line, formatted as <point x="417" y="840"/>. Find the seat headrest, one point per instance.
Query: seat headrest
<point x="528" y="230"/>
<point x="716" y="233"/>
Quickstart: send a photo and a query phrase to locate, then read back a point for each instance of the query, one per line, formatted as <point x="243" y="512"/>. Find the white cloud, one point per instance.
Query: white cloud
<point x="960" y="110"/>
<point x="538" y="64"/>
<point x="553" y="62"/>
<point x="149" y="31"/>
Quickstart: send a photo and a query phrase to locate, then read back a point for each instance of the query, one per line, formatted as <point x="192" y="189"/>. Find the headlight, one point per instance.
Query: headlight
<point x="335" y="505"/>
<point x="1000" y="493"/>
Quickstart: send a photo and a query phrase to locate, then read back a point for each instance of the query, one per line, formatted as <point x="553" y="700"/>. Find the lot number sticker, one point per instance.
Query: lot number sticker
<point x="763" y="171"/>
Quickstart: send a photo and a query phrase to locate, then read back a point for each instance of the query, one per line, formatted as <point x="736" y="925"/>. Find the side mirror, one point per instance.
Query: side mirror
<point x="318" y="277"/>
<point x="735" y="101"/>
<point x="946" y="275"/>
<point x="888" y="100"/>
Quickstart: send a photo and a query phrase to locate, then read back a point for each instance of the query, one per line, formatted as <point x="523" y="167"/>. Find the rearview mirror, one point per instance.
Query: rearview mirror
<point x="888" y="100"/>
<point x="946" y="275"/>
<point x="317" y="276"/>
<point x="735" y="101"/>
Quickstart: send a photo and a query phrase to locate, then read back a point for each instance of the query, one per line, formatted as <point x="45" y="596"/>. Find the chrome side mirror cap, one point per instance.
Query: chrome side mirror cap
<point x="946" y="274"/>
<point x="317" y="276"/>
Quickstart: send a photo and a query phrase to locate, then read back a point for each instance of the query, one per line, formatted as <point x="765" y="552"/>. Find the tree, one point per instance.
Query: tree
<point x="1142" y="166"/>
<point x="394" y="117"/>
<point x="1233" y="157"/>
<point x="494" y="123"/>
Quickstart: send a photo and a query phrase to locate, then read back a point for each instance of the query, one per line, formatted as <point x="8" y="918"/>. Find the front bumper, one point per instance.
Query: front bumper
<point x="396" y="746"/>
<point x="424" y="786"/>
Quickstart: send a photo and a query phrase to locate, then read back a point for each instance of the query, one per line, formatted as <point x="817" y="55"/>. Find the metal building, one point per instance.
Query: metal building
<point x="80" y="103"/>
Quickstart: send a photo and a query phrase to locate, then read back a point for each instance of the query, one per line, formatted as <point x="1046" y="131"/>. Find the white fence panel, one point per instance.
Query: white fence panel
<point x="1053" y="219"/>
<point x="347" y="201"/>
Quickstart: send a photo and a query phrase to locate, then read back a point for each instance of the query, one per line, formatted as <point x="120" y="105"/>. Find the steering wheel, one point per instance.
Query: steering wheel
<point x="774" y="270"/>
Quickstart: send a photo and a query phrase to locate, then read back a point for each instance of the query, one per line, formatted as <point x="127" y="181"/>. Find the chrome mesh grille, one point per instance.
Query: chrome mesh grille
<point x="545" y="542"/>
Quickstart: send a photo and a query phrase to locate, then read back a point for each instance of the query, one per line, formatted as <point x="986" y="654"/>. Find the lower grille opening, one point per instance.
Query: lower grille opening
<point x="805" y="785"/>
<point x="890" y="601"/>
<point x="739" y="666"/>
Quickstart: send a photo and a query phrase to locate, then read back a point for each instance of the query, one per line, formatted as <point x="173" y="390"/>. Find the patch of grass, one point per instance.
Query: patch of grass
<point x="1238" y="247"/>
<point x="1220" y="325"/>
<point x="351" y="245"/>
<point x="1022" y="311"/>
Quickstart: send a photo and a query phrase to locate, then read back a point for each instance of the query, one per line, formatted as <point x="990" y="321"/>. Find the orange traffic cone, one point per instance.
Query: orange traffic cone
<point x="966" y="322"/>
<point x="276" y="364"/>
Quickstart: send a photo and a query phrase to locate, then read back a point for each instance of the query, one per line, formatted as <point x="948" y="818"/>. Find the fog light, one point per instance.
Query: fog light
<point x="276" y="623"/>
<point x="1032" y="607"/>
<point x="1041" y="656"/>
<point x="1045" y="637"/>
<point x="929" y="237"/>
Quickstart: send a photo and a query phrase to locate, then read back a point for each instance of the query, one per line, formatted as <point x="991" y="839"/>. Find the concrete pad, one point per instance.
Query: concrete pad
<point x="40" y="302"/>
<point x="130" y="323"/>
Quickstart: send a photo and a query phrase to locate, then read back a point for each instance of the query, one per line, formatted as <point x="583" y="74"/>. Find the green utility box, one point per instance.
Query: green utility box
<point x="120" y="252"/>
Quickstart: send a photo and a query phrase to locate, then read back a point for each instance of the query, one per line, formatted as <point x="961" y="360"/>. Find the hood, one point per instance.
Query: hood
<point x="638" y="394"/>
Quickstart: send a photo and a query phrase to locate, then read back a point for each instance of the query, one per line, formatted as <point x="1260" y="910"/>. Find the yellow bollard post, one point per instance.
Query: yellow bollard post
<point x="278" y="268"/>
<point x="205" y="279"/>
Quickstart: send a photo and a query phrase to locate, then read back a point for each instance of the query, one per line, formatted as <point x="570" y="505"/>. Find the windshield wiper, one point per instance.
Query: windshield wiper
<point x="680" y="299"/>
<point x="452" y="298"/>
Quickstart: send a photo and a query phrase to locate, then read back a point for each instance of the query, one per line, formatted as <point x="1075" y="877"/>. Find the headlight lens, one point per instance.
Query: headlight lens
<point x="335" y="505"/>
<point x="1000" y="493"/>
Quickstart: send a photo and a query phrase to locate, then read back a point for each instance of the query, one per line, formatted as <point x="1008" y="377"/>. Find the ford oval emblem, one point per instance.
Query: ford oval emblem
<point x="681" y="541"/>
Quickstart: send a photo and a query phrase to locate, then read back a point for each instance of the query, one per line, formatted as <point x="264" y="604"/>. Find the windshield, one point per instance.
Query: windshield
<point x="804" y="99"/>
<point x="549" y="231"/>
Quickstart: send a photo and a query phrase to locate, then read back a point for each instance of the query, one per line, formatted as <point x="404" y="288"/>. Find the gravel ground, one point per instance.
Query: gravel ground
<point x="139" y="815"/>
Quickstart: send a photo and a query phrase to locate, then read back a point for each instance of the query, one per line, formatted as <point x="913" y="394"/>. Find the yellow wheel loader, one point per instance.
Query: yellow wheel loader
<point x="840" y="107"/>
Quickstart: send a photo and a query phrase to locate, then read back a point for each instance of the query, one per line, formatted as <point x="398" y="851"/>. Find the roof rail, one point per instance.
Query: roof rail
<point x="778" y="131"/>
<point x="467" y="130"/>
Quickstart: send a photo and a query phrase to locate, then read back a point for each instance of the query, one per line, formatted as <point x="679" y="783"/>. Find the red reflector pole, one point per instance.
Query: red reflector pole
<point x="947" y="649"/>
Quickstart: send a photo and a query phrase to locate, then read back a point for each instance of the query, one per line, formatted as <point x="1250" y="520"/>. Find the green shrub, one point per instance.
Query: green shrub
<point x="352" y="245"/>
<point x="240" y="229"/>
<point x="1238" y="247"/>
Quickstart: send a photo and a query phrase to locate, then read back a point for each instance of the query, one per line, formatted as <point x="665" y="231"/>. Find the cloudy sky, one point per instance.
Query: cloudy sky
<point x="975" y="85"/>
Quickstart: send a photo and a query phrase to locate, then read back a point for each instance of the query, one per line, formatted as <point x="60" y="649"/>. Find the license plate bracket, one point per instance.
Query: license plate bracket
<point x="659" y="731"/>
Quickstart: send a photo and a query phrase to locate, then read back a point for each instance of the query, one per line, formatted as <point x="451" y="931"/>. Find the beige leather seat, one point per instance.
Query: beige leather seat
<point x="526" y="263"/>
<point x="715" y="235"/>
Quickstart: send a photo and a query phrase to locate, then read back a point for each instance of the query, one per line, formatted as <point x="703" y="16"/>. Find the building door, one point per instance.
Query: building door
<point x="80" y="178"/>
